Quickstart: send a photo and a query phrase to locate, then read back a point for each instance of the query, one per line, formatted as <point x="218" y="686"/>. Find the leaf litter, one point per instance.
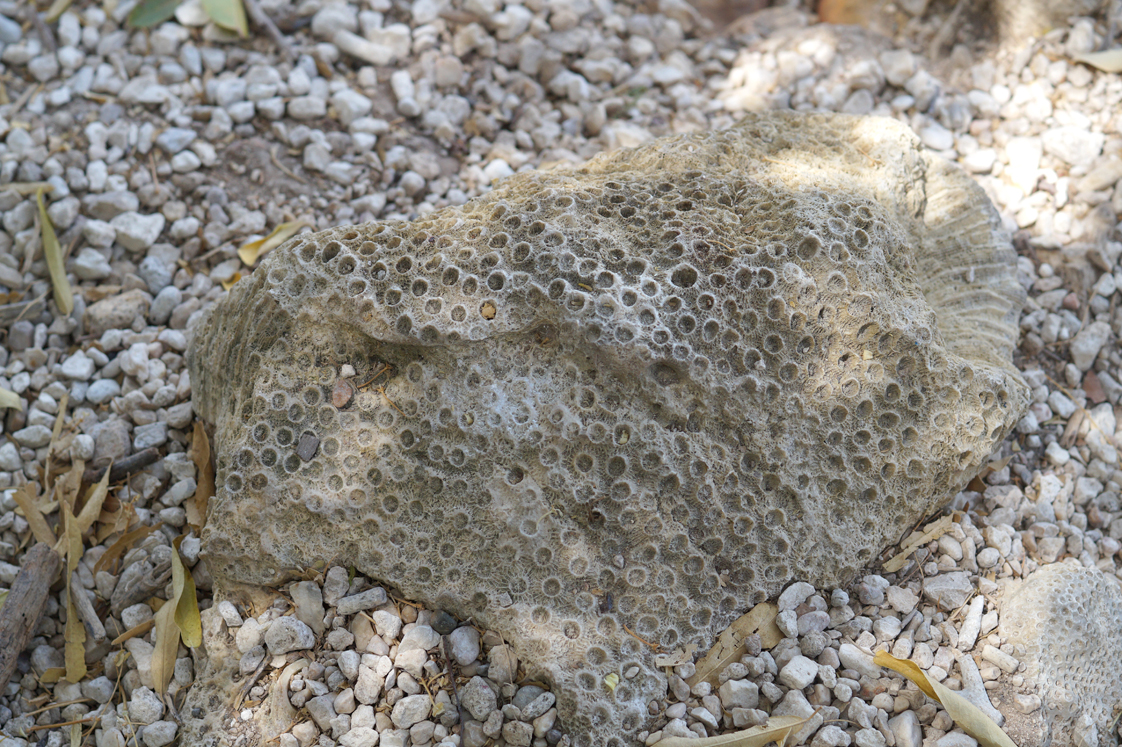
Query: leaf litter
<point x="60" y="514"/>
<point x="962" y="711"/>
<point x="732" y="643"/>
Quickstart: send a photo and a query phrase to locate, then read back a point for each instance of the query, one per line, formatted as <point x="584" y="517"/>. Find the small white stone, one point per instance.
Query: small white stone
<point x="287" y="634"/>
<point x="798" y="673"/>
<point x="411" y="710"/>
<point x="160" y="733"/>
<point x="794" y="595"/>
<point x="1087" y="343"/>
<point x="78" y="366"/>
<point x="138" y="232"/>
<point x="144" y="706"/>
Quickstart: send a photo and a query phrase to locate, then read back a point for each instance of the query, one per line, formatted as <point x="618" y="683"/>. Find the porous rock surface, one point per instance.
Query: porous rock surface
<point x="624" y="402"/>
<point x="1065" y="623"/>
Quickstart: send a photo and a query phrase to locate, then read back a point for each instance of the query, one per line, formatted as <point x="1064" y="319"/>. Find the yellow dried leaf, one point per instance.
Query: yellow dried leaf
<point x="75" y="633"/>
<point x="228" y="284"/>
<point x="730" y="644"/>
<point x="3" y="597"/>
<point x="75" y="735"/>
<point x="777" y="729"/>
<point x="1109" y="60"/>
<point x="186" y="604"/>
<point x="118" y="548"/>
<point x="64" y="297"/>
<point x="200" y="454"/>
<point x="52" y="675"/>
<point x="35" y="519"/>
<point x="167" y="645"/>
<point x="965" y="714"/>
<point x="254" y="250"/>
<point x="25" y="188"/>
<point x="95" y="498"/>
<point x="934" y="532"/>
<point x="58" y="7"/>
<point x="10" y="400"/>
<point x="611" y="681"/>
<point x="67" y="488"/>
<point x="141" y="629"/>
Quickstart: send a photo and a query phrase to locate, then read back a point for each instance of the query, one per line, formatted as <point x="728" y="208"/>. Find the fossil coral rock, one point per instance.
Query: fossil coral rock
<point x="645" y="393"/>
<point x="1065" y="622"/>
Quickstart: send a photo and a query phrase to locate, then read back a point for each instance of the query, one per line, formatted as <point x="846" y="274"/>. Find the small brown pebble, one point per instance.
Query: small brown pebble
<point x="1094" y="388"/>
<point x="342" y="394"/>
<point x="1071" y="302"/>
<point x="488" y="310"/>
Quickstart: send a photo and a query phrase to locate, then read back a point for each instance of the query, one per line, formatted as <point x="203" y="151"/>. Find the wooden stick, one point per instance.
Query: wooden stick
<point x="24" y="606"/>
<point x="85" y="608"/>
<point x="261" y="18"/>
<point x="123" y="468"/>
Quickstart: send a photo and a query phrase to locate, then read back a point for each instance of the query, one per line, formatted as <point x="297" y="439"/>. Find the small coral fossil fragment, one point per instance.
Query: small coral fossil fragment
<point x="674" y="379"/>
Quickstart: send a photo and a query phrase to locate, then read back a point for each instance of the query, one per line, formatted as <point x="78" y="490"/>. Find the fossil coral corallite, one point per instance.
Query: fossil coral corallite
<point x="647" y="392"/>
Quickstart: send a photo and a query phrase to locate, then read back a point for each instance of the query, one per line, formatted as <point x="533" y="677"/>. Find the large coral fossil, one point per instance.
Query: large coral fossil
<point x="621" y="402"/>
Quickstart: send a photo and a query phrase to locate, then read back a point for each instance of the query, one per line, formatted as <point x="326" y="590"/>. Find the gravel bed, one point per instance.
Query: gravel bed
<point x="166" y="150"/>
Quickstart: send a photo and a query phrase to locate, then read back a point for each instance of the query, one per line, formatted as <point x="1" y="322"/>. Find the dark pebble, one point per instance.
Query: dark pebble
<point x="442" y="623"/>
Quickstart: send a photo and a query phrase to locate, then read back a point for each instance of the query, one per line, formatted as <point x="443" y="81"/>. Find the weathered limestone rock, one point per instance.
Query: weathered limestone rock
<point x="646" y="393"/>
<point x="1065" y="623"/>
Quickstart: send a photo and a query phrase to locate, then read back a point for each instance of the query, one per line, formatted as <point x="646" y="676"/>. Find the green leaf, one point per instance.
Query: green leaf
<point x="148" y="13"/>
<point x="229" y="14"/>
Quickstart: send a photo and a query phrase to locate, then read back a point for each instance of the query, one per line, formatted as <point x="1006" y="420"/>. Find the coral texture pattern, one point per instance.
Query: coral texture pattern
<point x="613" y="407"/>
<point x="1065" y="622"/>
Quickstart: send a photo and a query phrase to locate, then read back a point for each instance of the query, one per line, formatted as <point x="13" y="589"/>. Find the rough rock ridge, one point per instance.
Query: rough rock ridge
<point x="612" y="407"/>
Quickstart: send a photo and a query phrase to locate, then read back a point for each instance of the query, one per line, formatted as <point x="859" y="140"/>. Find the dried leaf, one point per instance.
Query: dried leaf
<point x="3" y="597"/>
<point x="52" y="675"/>
<point x="133" y="632"/>
<point x="204" y="488"/>
<point x="58" y="7"/>
<point x="52" y="250"/>
<point x="75" y="633"/>
<point x="934" y="532"/>
<point x="676" y="657"/>
<point x="229" y="14"/>
<point x="118" y="548"/>
<point x="148" y="13"/>
<point x="777" y="729"/>
<point x="254" y="250"/>
<point x="95" y="498"/>
<point x="186" y="605"/>
<point x="52" y="447"/>
<point x="611" y="681"/>
<point x="730" y="644"/>
<point x="167" y="645"/>
<point x="965" y="714"/>
<point x="10" y="400"/>
<point x="35" y="519"/>
<point x="228" y="284"/>
<point x="280" y="715"/>
<point x="25" y="188"/>
<point x="75" y="735"/>
<point x="68" y="487"/>
<point x="1109" y="61"/>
